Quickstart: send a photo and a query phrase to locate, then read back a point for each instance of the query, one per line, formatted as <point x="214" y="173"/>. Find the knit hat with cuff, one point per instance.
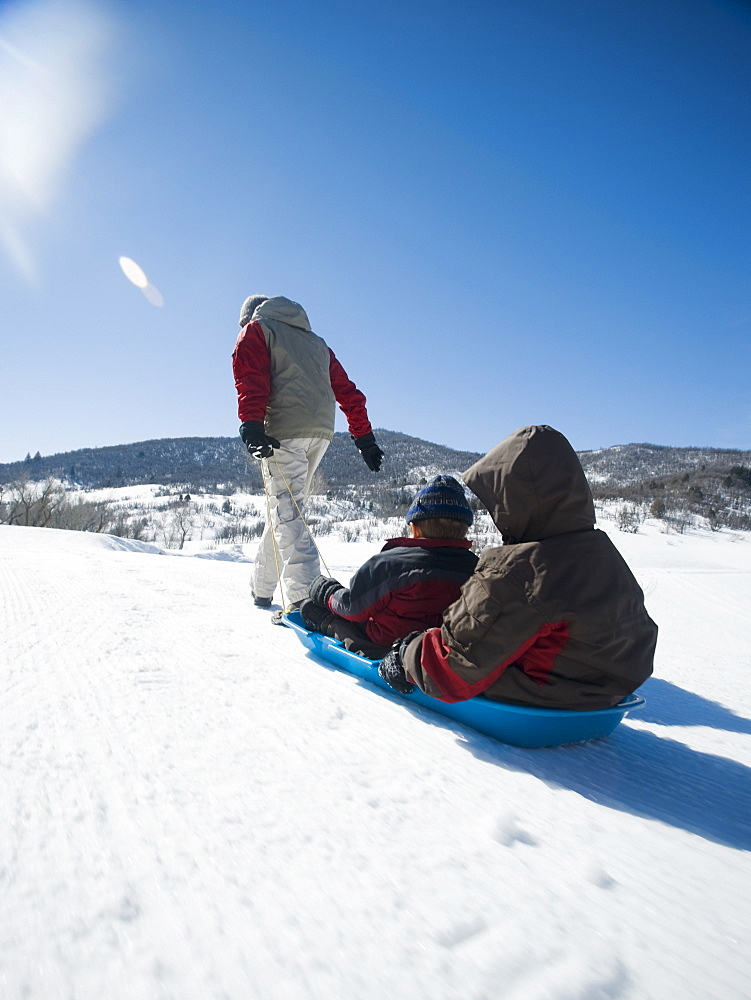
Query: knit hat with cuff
<point x="442" y="497"/>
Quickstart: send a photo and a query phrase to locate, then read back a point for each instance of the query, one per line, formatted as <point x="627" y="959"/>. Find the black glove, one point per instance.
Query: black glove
<point x="391" y="670"/>
<point x="256" y="440"/>
<point x="322" y="588"/>
<point x="314" y="616"/>
<point x="371" y="453"/>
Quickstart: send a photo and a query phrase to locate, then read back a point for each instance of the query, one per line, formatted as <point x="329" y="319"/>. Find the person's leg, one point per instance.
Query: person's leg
<point x="287" y="465"/>
<point x="265" y="575"/>
<point x="352" y="635"/>
<point x="315" y="451"/>
<point x="291" y="469"/>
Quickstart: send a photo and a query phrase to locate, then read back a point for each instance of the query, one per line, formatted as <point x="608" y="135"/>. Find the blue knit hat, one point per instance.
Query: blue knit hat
<point x="442" y="497"/>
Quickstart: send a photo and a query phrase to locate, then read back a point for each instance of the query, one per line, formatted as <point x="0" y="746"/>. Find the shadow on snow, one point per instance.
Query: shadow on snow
<point x="669" y="705"/>
<point x="634" y="770"/>
<point x="646" y="775"/>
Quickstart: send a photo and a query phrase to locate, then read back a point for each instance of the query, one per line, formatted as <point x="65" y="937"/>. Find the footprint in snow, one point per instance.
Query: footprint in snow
<point x="599" y="877"/>
<point x="508" y="832"/>
<point x="336" y="718"/>
<point x="461" y="931"/>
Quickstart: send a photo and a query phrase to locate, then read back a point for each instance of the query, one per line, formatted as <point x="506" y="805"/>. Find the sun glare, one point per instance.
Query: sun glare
<point x="137" y="276"/>
<point x="133" y="272"/>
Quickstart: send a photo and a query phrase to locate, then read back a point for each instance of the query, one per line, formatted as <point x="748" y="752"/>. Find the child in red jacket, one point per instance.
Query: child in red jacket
<point x="408" y="585"/>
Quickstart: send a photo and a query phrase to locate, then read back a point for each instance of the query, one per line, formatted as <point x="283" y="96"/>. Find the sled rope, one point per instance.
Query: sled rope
<point x="266" y="475"/>
<point x="302" y="518"/>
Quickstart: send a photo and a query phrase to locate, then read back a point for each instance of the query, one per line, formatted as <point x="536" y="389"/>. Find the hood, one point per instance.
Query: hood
<point x="283" y="311"/>
<point x="533" y="485"/>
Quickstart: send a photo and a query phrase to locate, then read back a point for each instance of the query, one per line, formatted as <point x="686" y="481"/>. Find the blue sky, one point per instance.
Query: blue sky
<point x="499" y="214"/>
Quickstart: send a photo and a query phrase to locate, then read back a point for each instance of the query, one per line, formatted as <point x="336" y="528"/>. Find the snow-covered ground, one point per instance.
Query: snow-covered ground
<point x="194" y="808"/>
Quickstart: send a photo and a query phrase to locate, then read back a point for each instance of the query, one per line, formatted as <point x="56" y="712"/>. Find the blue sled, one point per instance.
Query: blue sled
<point x="514" y="724"/>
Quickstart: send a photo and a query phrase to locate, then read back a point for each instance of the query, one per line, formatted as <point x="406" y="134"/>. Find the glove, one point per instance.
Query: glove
<point x="256" y="440"/>
<point x="391" y="670"/>
<point x="322" y="588"/>
<point x="371" y="453"/>
<point x="314" y="616"/>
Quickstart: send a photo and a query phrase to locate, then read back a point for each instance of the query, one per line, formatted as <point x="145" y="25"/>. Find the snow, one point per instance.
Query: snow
<point x="195" y="808"/>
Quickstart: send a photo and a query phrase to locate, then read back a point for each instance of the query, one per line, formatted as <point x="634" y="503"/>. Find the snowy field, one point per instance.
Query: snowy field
<point x="194" y="808"/>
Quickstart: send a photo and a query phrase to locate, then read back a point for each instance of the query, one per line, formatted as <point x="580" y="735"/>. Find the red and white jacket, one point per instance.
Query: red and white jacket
<point x="289" y="378"/>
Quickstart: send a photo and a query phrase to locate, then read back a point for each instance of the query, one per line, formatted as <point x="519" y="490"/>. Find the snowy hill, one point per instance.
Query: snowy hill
<point x="203" y="462"/>
<point x="627" y="464"/>
<point x="194" y="808"/>
<point x="208" y="463"/>
<point x="684" y="486"/>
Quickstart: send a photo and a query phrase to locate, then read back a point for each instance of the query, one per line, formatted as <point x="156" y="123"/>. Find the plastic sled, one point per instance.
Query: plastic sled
<point x="515" y="724"/>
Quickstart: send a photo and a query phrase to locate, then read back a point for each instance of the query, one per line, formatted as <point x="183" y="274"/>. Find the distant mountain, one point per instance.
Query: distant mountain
<point x="221" y="464"/>
<point x="209" y="462"/>
<point x="673" y="483"/>
<point x="678" y="485"/>
<point x="626" y="464"/>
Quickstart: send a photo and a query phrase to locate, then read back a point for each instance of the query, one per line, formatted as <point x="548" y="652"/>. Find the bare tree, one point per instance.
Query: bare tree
<point x="82" y="515"/>
<point x="629" y="518"/>
<point x="178" y="525"/>
<point x="33" y="504"/>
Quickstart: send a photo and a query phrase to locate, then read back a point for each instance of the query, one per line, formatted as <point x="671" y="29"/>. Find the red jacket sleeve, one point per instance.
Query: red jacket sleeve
<point x="351" y="401"/>
<point x="251" y="366"/>
<point x="436" y="667"/>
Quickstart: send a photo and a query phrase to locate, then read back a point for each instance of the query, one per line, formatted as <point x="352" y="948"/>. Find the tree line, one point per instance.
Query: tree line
<point x="679" y="486"/>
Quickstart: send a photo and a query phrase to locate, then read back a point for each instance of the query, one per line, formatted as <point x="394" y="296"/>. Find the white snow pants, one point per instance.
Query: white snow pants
<point x="295" y="462"/>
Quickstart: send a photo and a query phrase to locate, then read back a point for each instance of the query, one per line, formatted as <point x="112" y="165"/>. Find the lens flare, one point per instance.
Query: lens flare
<point x="137" y="276"/>
<point x="133" y="272"/>
<point x="154" y="296"/>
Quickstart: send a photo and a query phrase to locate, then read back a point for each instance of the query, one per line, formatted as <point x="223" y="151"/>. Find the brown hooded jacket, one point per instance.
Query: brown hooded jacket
<point x="554" y="618"/>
